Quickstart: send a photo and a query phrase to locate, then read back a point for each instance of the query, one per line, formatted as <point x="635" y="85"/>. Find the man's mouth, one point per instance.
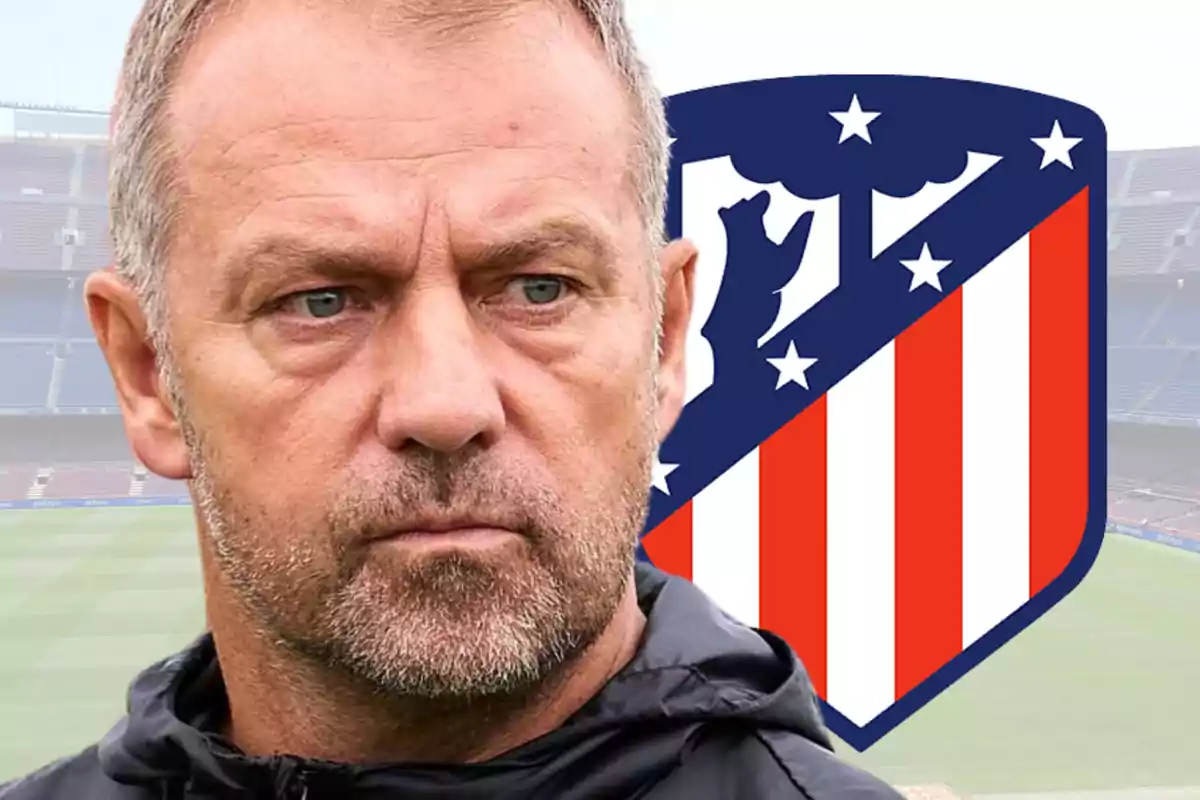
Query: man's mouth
<point x="448" y="531"/>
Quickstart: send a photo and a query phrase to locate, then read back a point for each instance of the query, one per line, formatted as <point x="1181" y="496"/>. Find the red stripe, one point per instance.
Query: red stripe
<point x="1058" y="387"/>
<point x="792" y="546"/>
<point x="669" y="545"/>
<point x="929" y="487"/>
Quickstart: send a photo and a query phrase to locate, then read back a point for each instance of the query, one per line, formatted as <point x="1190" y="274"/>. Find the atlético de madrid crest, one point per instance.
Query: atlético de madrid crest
<point x="892" y="453"/>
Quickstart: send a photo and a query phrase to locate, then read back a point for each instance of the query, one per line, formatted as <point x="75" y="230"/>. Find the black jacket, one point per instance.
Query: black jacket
<point x="707" y="709"/>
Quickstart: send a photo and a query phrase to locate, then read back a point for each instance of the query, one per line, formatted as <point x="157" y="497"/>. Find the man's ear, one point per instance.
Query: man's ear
<point x="121" y="331"/>
<point x="677" y="262"/>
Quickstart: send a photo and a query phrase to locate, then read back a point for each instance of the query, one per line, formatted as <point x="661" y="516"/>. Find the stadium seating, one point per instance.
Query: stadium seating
<point x="95" y="252"/>
<point x="1132" y="307"/>
<point x="34" y="168"/>
<point x="16" y="480"/>
<point x="31" y="306"/>
<point x="1142" y="236"/>
<point x="78" y="325"/>
<point x="1188" y="258"/>
<point x="1178" y="321"/>
<point x="156" y="486"/>
<point x="84" y="481"/>
<point x="1136" y="374"/>
<point x="1135" y="461"/>
<point x="63" y="439"/>
<point x="1188" y="525"/>
<point x="1180" y="394"/>
<point x="95" y="173"/>
<point x="27" y="369"/>
<point x="1154" y="476"/>
<point x="89" y="481"/>
<point x="1117" y="165"/>
<point x="1175" y="171"/>
<point x="87" y="381"/>
<point x="1151" y="509"/>
<point x="31" y="235"/>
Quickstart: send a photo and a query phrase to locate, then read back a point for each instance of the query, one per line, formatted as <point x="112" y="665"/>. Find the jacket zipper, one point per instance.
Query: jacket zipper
<point x="300" y="791"/>
<point x="294" y="783"/>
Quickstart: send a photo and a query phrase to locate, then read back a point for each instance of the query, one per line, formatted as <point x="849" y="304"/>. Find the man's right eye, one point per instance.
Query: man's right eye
<point x="317" y="303"/>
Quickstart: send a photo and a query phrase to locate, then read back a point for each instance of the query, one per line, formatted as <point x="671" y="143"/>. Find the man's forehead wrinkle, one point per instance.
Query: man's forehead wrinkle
<point x="332" y="126"/>
<point x="395" y="158"/>
<point x="231" y="175"/>
<point x="285" y="126"/>
<point x="233" y="180"/>
<point x="228" y="165"/>
<point x="552" y="235"/>
<point x="321" y="135"/>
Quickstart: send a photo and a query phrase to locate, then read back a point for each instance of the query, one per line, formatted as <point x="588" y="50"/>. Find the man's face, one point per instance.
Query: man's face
<point x="411" y="287"/>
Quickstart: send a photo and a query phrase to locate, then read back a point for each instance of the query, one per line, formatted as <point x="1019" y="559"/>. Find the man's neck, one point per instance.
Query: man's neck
<point x="280" y="706"/>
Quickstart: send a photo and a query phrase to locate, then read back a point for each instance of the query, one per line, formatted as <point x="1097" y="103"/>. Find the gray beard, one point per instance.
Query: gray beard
<point x="449" y="627"/>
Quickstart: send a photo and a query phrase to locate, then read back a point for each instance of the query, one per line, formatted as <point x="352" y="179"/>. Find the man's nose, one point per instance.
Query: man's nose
<point x="439" y="390"/>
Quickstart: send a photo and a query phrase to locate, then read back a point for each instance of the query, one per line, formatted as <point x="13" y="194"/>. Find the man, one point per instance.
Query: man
<point x="391" y="292"/>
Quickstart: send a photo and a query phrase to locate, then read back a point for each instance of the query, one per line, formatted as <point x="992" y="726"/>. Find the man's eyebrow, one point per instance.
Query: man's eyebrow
<point x="278" y="249"/>
<point x="284" y="256"/>
<point x="541" y="241"/>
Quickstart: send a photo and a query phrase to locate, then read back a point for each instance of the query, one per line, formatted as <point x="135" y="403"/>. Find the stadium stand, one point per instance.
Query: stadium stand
<point x="35" y="168"/>
<point x="154" y="486"/>
<point x="1132" y="311"/>
<point x="1142" y="236"/>
<point x="60" y="439"/>
<point x="1180" y="395"/>
<point x="1174" y="170"/>
<point x="30" y="307"/>
<point x="53" y="231"/>
<point x="31" y="235"/>
<point x="87" y="382"/>
<point x="95" y="173"/>
<point x="1177" y="322"/>
<point x="89" y="481"/>
<point x="28" y="367"/>
<point x="16" y="480"/>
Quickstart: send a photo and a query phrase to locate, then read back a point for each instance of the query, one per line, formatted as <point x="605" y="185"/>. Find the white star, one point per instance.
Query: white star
<point x="855" y="121"/>
<point x="926" y="270"/>
<point x="1056" y="147"/>
<point x="792" y="367"/>
<point x="661" y="471"/>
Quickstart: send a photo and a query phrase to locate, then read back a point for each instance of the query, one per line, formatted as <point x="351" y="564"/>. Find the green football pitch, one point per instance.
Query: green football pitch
<point x="1103" y="693"/>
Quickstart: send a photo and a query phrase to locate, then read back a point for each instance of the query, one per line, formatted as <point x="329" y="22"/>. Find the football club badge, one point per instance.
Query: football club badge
<point x="892" y="453"/>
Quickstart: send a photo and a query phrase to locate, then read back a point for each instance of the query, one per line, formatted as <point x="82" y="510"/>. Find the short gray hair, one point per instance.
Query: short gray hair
<point x="142" y="198"/>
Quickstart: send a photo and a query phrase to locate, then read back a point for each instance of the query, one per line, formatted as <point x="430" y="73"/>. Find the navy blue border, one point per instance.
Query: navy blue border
<point x="863" y="737"/>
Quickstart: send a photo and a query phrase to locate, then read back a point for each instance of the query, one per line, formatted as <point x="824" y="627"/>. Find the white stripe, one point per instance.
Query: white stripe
<point x="861" y="427"/>
<point x="725" y="534"/>
<point x="996" y="441"/>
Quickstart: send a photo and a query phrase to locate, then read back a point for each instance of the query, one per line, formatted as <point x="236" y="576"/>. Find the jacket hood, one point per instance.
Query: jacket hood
<point x="696" y="666"/>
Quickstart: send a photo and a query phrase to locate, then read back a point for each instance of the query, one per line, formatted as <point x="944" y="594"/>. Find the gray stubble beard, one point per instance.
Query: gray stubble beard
<point x="455" y="628"/>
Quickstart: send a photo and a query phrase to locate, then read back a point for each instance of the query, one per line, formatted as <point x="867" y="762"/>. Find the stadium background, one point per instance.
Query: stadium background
<point x="99" y="576"/>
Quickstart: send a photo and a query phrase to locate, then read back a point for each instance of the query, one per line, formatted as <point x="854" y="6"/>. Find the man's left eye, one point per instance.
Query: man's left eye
<point x="318" y="303"/>
<point x="540" y="290"/>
